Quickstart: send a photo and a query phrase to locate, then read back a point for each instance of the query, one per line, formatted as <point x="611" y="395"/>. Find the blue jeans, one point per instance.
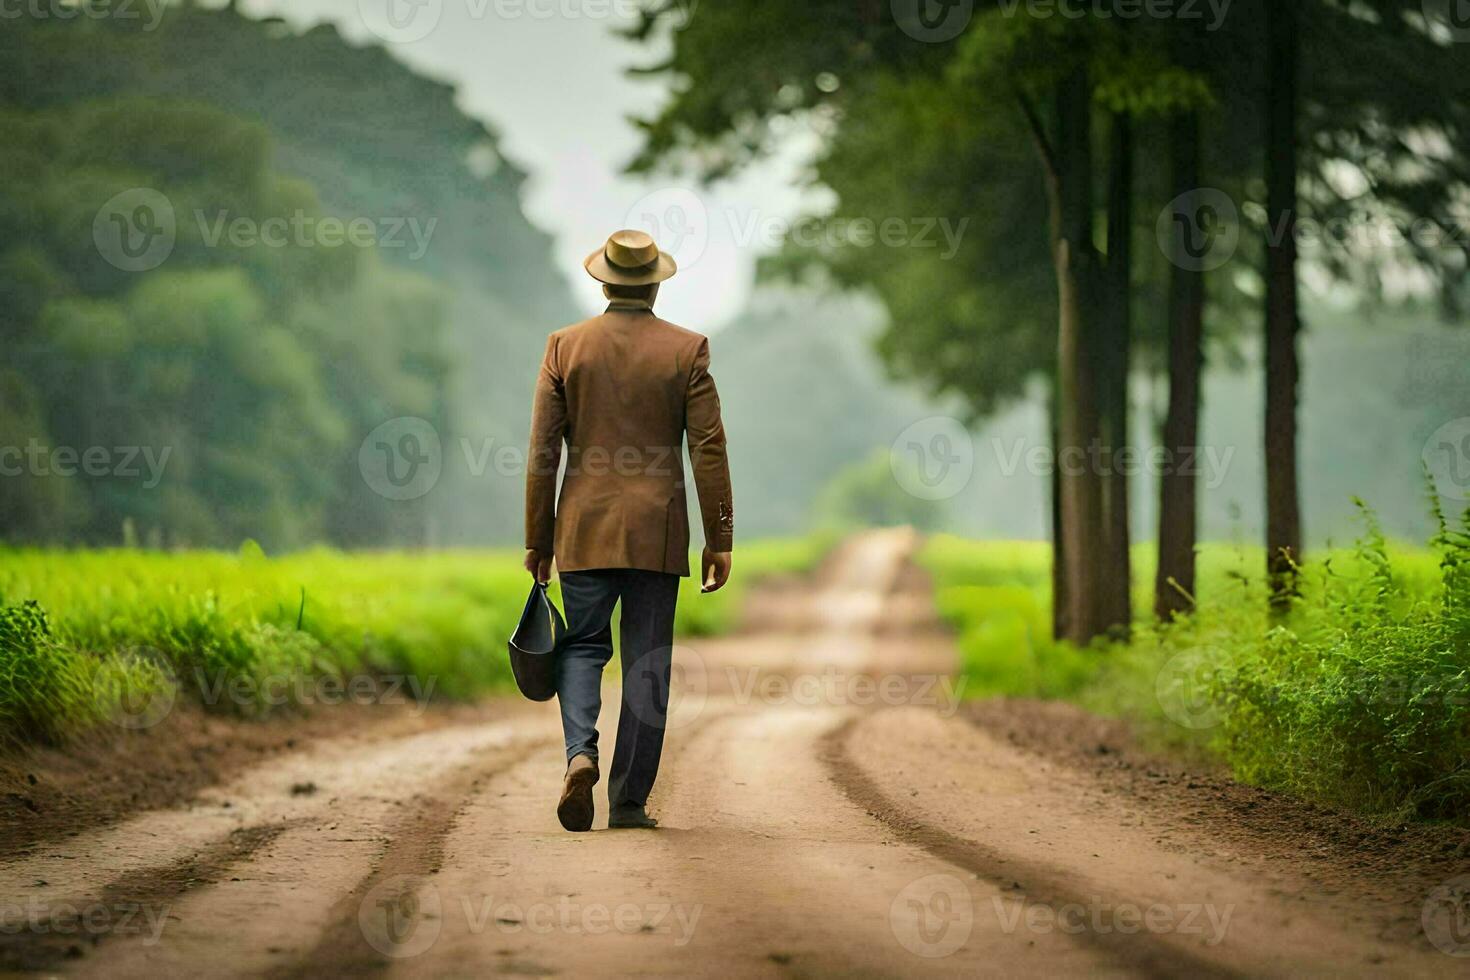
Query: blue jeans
<point x="647" y="636"/>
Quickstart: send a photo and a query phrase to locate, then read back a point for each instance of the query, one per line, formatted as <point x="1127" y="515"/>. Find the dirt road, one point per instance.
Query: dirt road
<point x="826" y="807"/>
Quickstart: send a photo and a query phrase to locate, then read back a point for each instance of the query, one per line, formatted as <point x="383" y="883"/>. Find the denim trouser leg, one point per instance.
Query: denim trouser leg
<point x="586" y="648"/>
<point x="647" y="637"/>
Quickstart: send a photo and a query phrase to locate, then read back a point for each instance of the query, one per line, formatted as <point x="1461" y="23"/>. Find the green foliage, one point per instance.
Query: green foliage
<point x="246" y="635"/>
<point x="866" y="494"/>
<point x="1360" y="697"/>
<point x="285" y="357"/>
<point x="42" y="684"/>
<point x="220" y="366"/>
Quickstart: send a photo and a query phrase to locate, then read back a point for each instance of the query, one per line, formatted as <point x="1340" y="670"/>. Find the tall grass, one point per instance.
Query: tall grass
<point x="1359" y="696"/>
<point x="87" y="636"/>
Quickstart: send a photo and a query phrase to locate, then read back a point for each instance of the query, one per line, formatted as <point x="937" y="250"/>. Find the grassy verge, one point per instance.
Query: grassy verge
<point x="1360" y="697"/>
<point x="88" y="637"/>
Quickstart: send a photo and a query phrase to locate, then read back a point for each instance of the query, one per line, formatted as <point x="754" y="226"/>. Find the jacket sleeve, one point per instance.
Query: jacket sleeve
<point x="707" y="454"/>
<point x="548" y="429"/>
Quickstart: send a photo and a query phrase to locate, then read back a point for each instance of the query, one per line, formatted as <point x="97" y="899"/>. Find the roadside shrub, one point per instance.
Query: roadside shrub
<point x="42" y="684"/>
<point x="1360" y="696"/>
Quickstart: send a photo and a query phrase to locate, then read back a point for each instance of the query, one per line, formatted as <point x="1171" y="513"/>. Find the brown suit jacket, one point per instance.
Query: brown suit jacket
<point x="622" y="390"/>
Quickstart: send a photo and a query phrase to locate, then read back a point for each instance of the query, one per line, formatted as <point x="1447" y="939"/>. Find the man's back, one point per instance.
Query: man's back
<point x="621" y="390"/>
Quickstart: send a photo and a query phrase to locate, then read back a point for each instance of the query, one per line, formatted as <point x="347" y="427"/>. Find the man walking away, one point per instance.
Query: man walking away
<point x="622" y="391"/>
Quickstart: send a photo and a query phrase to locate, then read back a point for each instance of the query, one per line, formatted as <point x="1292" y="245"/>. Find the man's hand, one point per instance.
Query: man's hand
<point x="715" y="570"/>
<point x="539" y="565"/>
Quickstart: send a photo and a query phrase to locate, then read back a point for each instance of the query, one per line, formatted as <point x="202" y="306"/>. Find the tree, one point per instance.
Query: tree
<point x="1283" y="506"/>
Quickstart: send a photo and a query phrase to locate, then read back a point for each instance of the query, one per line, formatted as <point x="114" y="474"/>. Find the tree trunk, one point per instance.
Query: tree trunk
<point x="1077" y="287"/>
<point x="1059" y="608"/>
<point x="1114" y="361"/>
<point x="1178" y="488"/>
<point x="1283" y="516"/>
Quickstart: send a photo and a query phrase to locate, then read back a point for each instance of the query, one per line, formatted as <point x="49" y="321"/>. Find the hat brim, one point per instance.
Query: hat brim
<point x="599" y="268"/>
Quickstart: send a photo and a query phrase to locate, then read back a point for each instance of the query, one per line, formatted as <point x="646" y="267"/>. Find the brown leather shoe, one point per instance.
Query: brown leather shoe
<point x="575" y="809"/>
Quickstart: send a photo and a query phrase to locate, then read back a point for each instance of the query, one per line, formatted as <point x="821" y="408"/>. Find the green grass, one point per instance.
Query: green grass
<point x="1360" y="696"/>
<point x="91" y="636"/>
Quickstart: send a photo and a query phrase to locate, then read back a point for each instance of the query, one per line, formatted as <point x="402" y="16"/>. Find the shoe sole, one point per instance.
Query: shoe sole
<point x="575" y="809"/>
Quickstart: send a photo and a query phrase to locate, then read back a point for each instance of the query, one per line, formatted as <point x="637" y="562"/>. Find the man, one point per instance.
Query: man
<point x="622" y="390"/>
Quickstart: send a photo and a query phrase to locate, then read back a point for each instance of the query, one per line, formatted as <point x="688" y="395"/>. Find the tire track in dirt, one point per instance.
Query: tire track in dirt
<point x="509" y="868"/>
<point x="1143" y="952"/>
<point x="371" y="923"/>
<point x="137" y="903"/>
<point x="326" y="808"/>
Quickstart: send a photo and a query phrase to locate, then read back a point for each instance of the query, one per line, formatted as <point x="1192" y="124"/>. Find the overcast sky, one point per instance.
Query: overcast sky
<point x="549" y="75"/>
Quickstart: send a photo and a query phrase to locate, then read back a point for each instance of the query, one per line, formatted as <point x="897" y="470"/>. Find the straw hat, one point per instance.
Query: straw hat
<point x="630" y="258"/>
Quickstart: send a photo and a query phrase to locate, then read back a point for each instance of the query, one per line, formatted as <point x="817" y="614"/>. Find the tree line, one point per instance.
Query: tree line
<point x="1072" y="138"/>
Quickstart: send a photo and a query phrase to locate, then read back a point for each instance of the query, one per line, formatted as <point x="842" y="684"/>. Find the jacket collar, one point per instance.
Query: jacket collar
<point x="630" y="306"/>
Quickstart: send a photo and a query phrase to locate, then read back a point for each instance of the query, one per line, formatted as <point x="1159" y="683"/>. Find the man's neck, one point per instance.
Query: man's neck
<point x="642" y="305"/>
